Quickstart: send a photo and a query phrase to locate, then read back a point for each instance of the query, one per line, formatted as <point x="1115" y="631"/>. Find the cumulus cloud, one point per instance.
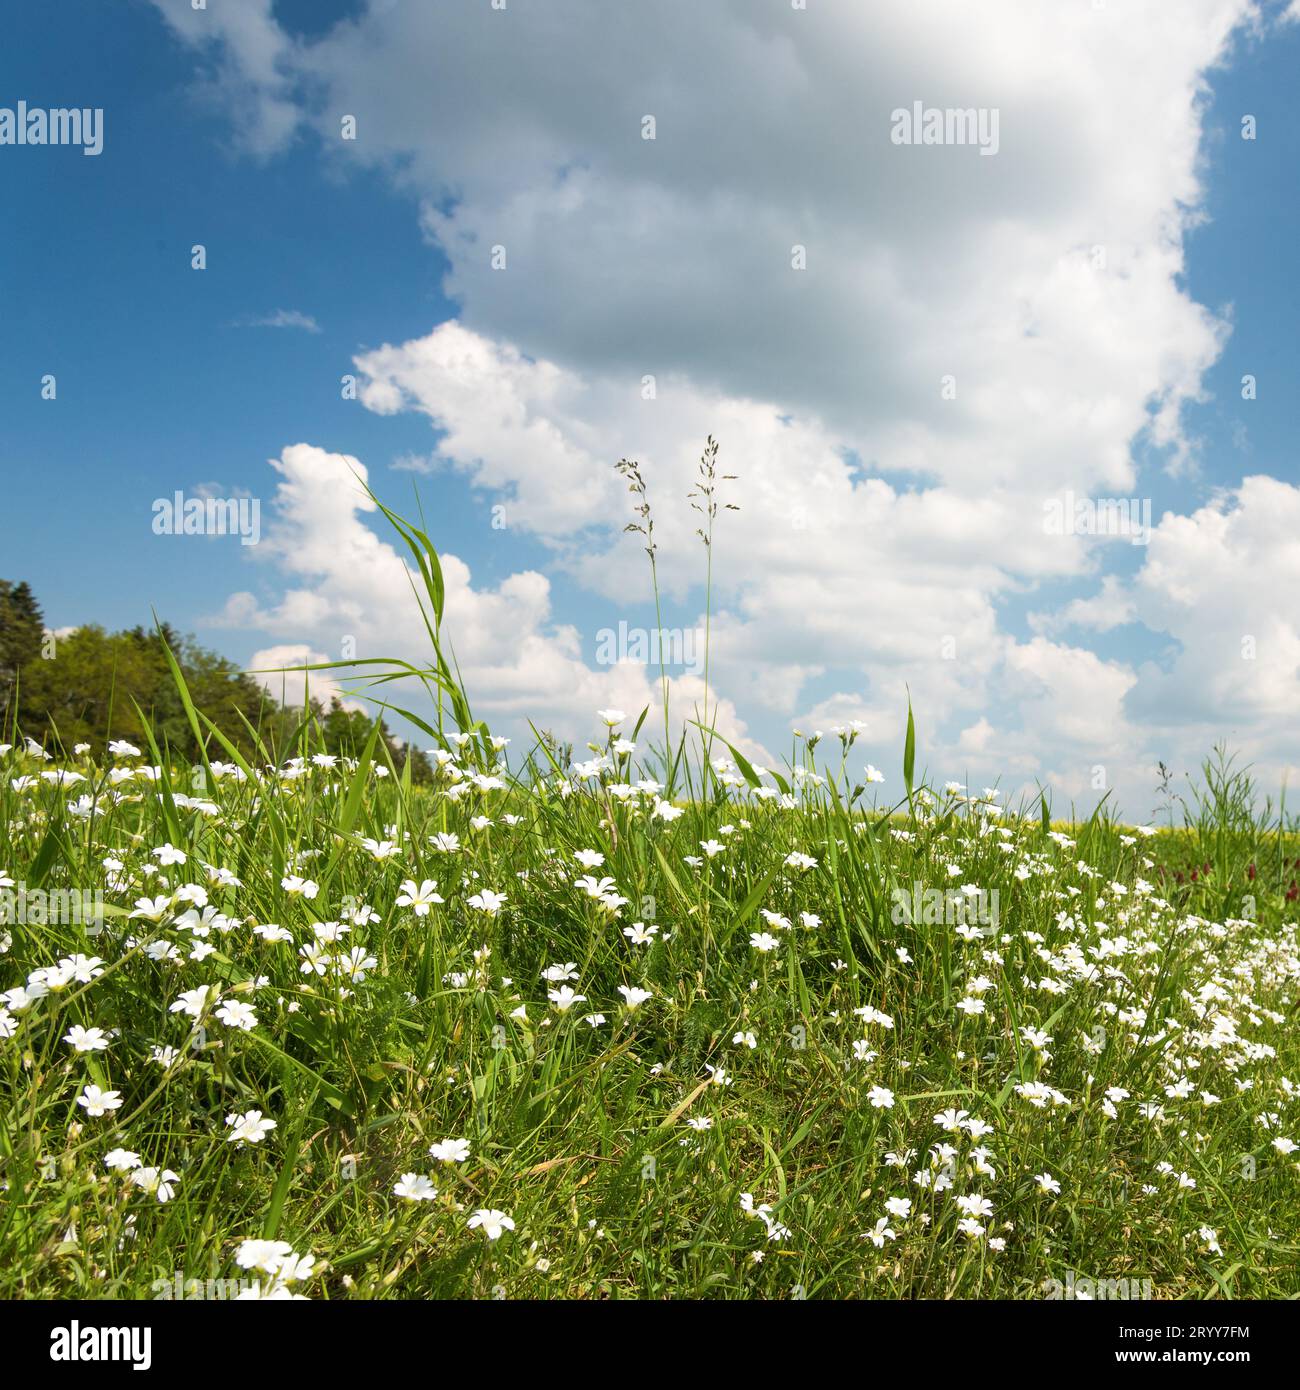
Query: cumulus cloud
<point x="823" y="569"/>
<point x="968" y="337"/>
<point x="1222" y="584"/>
<point x="1108" y="608"/>
<point x="1044" y="280"/>
<point x="337" y="583"/>
<point x="279" y="671"/>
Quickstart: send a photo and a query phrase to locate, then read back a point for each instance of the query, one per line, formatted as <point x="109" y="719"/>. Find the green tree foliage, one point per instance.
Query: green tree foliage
<point x="21" y="629"/>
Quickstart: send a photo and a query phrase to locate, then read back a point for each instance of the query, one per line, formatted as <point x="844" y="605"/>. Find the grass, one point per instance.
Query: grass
<point x="582" y="1134"/>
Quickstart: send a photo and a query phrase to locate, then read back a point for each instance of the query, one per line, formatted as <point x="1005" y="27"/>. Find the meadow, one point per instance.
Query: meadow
<point x="633" y="1026"/>
<point x="557" y="1036"/>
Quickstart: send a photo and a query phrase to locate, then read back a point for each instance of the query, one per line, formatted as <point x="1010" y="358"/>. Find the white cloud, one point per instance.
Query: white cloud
<point x="628" y="256"/>
<point x="342" y="591"/>
<point x="249" y="56"/>
<point x="282" y="318"/>
<point x="882" y="527"/>
<point x="1222" y="583"/>
<point x="522" y="129"/>
<point x="1110" y="607"/>
<point x="278" y="671"/>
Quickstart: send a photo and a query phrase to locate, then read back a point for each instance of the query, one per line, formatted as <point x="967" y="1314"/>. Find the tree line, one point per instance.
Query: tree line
<point x="91" y="686"/>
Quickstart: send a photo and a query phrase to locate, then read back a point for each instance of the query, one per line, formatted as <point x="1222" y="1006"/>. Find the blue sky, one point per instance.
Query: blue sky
<point x="221" y="129"/>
